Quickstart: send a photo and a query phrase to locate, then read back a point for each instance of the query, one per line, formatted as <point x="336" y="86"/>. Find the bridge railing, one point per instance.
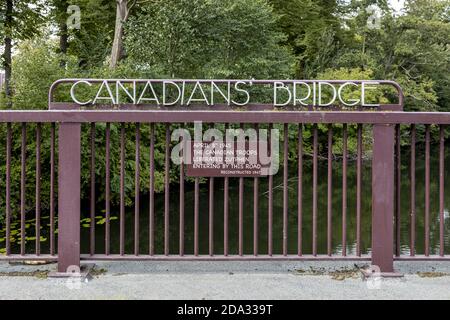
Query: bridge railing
<point x="310" y="222"/>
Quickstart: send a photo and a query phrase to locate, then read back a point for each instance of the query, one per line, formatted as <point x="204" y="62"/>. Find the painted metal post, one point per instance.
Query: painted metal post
<point x="383" y="174"/>
<point x="69" y="196"/>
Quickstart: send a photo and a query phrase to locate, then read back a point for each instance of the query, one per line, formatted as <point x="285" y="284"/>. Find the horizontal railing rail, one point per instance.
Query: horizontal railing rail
<point x="157" y="116"/>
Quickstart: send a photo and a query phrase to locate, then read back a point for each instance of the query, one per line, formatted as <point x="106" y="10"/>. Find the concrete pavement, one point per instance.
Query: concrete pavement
<point x="230" y="280"/>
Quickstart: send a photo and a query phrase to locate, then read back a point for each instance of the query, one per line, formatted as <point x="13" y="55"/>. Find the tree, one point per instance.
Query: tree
<point x="207" y="38"/>
<point x="92" y="42"/>
<point x="412" y="48"/>
<point x="59" y="13"/>
<point x="123" y="10"/>
<point x="314" y="32"/>
<point x="7" y="56"/>
<point x="425" y="48"/>
<point x="22" y="20"/>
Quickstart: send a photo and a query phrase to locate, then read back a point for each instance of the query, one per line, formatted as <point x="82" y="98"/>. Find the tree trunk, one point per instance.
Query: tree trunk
<point x="61" y="19"/>
<point x="117" y="48"/>
<point x="7" y="55"/>
<point x="63" y="41"/>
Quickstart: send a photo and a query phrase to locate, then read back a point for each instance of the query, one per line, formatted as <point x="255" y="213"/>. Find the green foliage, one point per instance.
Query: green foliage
<point x="313" y="33"/>
<point x="31" y="81"/>
<point x="27" y="17"/>
<point x="207" y="38"/>
<point x="91" y="44"/>
<point x="380" y="95"/>
<point x="412" y="49"/>
<point x="35" y="68"/>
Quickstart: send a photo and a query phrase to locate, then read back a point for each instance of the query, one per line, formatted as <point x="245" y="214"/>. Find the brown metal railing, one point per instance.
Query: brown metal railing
<point x="386" y="192"/>
<point x="20" y="213"/>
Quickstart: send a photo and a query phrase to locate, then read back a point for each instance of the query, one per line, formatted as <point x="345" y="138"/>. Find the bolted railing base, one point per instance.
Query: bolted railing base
<point x="82" y="273"/>
<point x="370" y="274"/>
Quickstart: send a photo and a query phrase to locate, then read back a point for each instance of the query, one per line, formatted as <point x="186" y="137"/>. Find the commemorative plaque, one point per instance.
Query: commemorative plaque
<point x="229" y="159"/>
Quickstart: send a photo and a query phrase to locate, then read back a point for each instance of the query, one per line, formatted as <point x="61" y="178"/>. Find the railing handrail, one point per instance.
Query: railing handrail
<point x="177" y="116"/>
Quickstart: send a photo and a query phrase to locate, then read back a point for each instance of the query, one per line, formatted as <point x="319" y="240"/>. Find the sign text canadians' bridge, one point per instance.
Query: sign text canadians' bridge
<point x="277" y="203"/>
<point x="225" y="94"/>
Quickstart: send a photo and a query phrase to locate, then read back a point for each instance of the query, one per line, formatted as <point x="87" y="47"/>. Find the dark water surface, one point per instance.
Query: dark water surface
<point x="292" y="213"/>
<point x="263" y="214"/>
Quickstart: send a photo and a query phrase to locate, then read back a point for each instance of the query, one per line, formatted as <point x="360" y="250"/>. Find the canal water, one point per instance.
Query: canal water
<point x="263" y="214"/>
<point x="292" y="213"/>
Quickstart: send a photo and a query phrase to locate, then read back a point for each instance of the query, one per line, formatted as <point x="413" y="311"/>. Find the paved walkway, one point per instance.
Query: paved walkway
<point x="231" y="280"/>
